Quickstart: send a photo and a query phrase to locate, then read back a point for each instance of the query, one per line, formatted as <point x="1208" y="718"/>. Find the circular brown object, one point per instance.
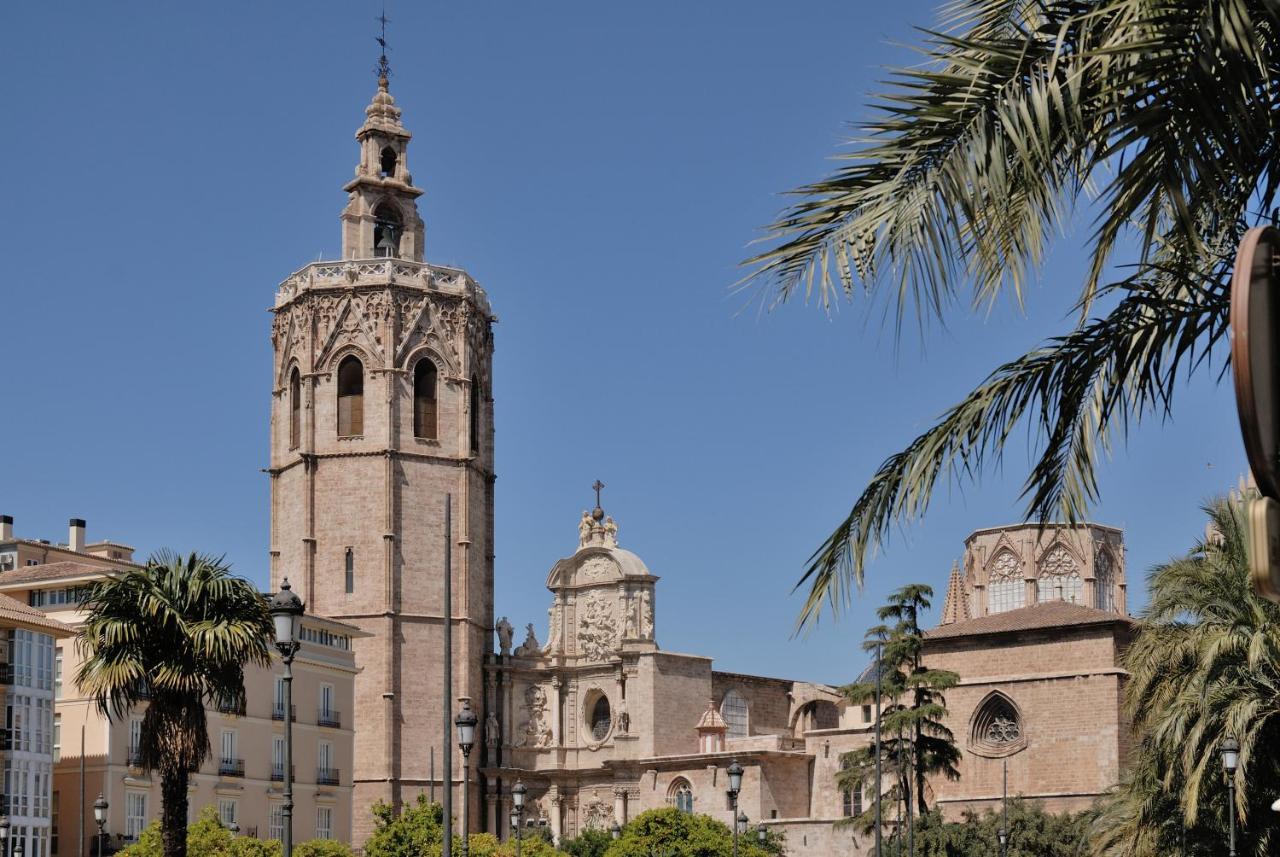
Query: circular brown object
<point x="1255" y="353"/>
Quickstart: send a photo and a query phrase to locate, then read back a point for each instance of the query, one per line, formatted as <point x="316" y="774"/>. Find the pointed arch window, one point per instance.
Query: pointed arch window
<point x="997" y="728"/>
<point x="424" y="399"/>
<point x="350" y="397"/>
<point x="1005" y="587"/>
<point x="387" y="228"/>
<point x="295" y="408"/>
<point x="475" y="415"/>
<point x="733" y="708"/>
<point x="1059" y="578"/>
<point x="387" y="162"/>
<point x="1104" y="581"/>
<point x="680" y="795"/>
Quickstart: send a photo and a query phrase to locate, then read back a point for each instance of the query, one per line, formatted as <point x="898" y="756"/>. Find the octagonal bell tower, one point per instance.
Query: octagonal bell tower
<point x="381" y="407"/>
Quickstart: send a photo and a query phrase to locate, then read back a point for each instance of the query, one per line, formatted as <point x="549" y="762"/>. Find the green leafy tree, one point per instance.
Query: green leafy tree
<point x="1018" y="115"/>
<point x="1204" y="665"/>
<point x="206" y="837"/>
<point x="322" y="848"/>
<point x="672" y="833"/>
<point x="588" y="843"/>
<point x="418" y="831"/>
<point x="916" y="743"/>
<point x="1032" y="833"/>
<point x="176" y="634"/>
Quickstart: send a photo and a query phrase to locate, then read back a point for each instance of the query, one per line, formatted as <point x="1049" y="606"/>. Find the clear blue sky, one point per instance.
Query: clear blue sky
<point x="600" y="168"/>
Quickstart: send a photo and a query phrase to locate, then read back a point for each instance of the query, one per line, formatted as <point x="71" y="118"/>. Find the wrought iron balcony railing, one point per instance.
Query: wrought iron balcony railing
<point x="277" y="712"/>
<point x="327" y="777"/>
<point x="277" y="772"/>
<point x="231" y="767"/>
<point x="328" y="717"/>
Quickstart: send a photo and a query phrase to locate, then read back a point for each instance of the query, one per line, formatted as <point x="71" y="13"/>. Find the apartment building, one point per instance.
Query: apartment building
<point x="244" y="775"/>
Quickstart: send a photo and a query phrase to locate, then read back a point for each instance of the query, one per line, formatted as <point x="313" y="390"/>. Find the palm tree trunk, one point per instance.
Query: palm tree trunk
<point x="173" y="821"/>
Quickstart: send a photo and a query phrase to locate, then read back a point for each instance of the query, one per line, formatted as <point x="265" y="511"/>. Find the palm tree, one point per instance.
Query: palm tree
<point x="175" y="634"/>
<point x="1157" y="115"/>
<point x="1205" y="665"/>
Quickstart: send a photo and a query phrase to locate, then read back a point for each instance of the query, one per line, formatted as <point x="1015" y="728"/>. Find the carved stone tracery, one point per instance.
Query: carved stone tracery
<point x="597" y="627"/>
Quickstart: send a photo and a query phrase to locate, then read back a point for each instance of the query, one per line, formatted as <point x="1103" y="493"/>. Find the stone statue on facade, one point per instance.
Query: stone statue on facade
<point x="646" y="614"/>
<point x="629" y="605"/>
<point x="624" y="718"/>
<point x="504" y="636"/>
<point x="535" y="732"/>
<point x="530" y="646"/>
<point x="584" y="529"/>
<point x="492" y="730"/>
<point x="553" y="629"/>
<point x="610" y="533"/>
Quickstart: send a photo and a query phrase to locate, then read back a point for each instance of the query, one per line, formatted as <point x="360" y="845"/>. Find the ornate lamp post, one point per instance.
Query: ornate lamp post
<point x="466" y="723"/>
<point x="518" y="792"/>
<point x="17" y="846"/>
<point x="1230" y="759"/>
<point x="735" y="786"/>
<point x="286" y="612"/>
<point x="100" y="818"/>
<point x="741" y="824"/>
<point x="761" y="835"/>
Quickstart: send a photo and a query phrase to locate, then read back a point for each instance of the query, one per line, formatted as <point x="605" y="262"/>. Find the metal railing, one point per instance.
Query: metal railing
<point x="228" y="706"/>
<point x="231" y="767"/>
<point x="277" y="772"/>
<point x="277" y="712"/>
<point x="328" y="717"/>
<point x="327" y="777"/>
<point x="135" y="757"/>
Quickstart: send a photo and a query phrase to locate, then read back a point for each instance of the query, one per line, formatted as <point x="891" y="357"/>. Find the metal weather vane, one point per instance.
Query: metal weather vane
<point x="384" y="65"/>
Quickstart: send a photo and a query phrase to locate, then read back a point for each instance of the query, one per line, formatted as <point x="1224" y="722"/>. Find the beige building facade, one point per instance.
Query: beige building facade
<point x="244" y="775"/>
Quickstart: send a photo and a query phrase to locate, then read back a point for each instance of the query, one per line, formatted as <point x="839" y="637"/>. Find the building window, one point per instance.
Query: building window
<point x="733" y="708"/>
<point x="475" y="415"/>
<point x="1059" y="579"/>
<point x="275" y="821"/>
<point x="349" y="571"/>
<point x="680" y="795"/>
<point x="135" y="814"/>
<point x="324" y="822"/>
<point x="228" y="811"/>
<point x="135" y="742"/>
<point x="57" y="673"/>
<point x="850" y="797"/>
<point x="866" y="714"/>
<point x="295" y="409"/>
<point x="57" y="738"/>
<point x="997" y="728"/>
<point x="229" y="764"/>
<point x="53" y="824"/>
<point x="424" y="399"/>
<point x="1006" y="589"/>
<point x="601" y="718"/>
<point x="326" y="772"/>
<point x="1103" y="594"/>
<point x="277" y="760"/>
<point x="350" y="397"/>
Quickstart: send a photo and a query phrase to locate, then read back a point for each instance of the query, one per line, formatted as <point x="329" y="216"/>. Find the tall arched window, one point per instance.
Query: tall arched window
<point x="1059" y="578"/>
<point x="680" y="795"/>
<point x="350" y="397"/>
<point x="295" y="409"/>
<point x="733" y="708"/>
<point x="475" y="415"/>
<point x="1103" y="593"/>
<point x="424" y="399"/>
<point x="386" y="230"/>
<point x="387" y="162"/>
<point x="1005" y="587"/>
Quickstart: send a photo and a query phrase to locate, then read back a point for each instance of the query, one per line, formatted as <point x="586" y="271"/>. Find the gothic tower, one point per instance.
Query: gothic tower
<point x="380" y="407"/>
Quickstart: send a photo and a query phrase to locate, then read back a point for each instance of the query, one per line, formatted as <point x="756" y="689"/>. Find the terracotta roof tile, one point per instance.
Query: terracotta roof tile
<point x="1050" y="614"/>
<point x="12" y="610"/>
<point x="53" y="571"/>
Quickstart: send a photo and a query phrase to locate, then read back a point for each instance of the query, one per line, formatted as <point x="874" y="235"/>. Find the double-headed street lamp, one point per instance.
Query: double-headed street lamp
<point x="466" y="723"/>
<point x="1230" y="760"/>
<point x="735" y="786"/>
<point x="518" y="792"/>
<point x="286" y="613"/>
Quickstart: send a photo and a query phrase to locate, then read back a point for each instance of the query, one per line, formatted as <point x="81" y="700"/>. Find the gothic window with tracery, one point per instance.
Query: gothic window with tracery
<point x="733" y="708"/>
<point x="1059" y="578"/>
<point x="350" y="397"/>
<point x="295" y="409"/>
<point x="680" y="795"/>
<point x="997" y="726"/>
<point x="424" y="399"/>
<point x="1005" y="587"/>
<point x="1103" y="596"/>
<point x="601" y="719"/>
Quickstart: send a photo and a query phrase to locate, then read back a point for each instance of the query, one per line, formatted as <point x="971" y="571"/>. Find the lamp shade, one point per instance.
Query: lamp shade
<point x="735" y="777"/>
<point x="1002" y="834"/>
<point x="518" y="791"/>
<point x="1230" y="754"/>
<point x="616" y="830"/>
<point x="760" y="834"/>
<point x="742" y="824"/>
<point x="515" y="821"/>
<point x="286" y="610"/>
<point x="100" y="809"/>
<point x="4" y="827"/>
<point x="466" y="724"/>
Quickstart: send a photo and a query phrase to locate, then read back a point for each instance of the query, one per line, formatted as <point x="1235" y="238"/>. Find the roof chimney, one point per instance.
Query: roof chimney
<point x="6" y="528"/>
<point x="76" y="540"/>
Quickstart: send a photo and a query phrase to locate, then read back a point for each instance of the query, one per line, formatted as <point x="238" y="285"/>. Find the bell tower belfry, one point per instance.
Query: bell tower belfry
<point x="382" y="407"/>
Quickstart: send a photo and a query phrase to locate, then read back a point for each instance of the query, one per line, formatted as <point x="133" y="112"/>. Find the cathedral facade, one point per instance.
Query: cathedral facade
<point x="382" y="413"/>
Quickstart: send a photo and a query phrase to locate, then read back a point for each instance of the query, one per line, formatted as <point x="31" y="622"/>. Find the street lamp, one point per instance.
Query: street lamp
<point x="286" y="613"/>
<point x="1003" y="835"/>
<point x="735" y="786"/>
<point x="518" y="792"/>
<point x="741" y="828"/>
<point x="1230" y="760"/>
<point x="761" y="835"/>
<point x="234" y="827"/>
<point x="100" y="818"/>
<point x="466" y="723"/>
<point x="616" y="830"/>
<point x="4" y="836"/>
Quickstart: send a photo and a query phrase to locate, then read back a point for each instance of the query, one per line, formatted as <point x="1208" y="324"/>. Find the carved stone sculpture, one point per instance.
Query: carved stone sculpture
<point x="598" y="816"/>
<point x="530" y="646"/>
<point x="610" y="533"/>
<point x="553" y="629"/>
<point x="584" y="529"/>
<point x="630" y="630"/>
<point x="597" y="627"/>
<point x="646" y="614"/>
<point x="534" y="728"/>
<point x="504" y="635"/>
<point x="492" y="730"/>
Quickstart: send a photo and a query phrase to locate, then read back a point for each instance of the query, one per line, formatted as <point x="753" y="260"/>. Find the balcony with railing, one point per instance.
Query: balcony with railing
<point x="327" y="777"/>
<point x="277" y="772"/>
<point x="328" y="717"/>
<point x="277" y="712"/>
<point x="135" y="757"/>
<point x="231" y="706"/>
<point x="230" y="767"/>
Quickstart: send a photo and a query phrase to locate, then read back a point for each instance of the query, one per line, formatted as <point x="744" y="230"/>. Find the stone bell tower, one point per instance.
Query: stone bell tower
<point x="381" y="407"/>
